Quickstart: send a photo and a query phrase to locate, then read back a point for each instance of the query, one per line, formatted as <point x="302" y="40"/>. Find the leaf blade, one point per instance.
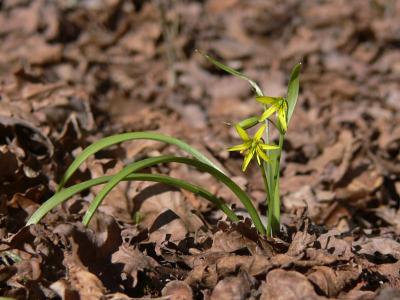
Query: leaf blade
<point x="65" y="194"/>
<point x="293" y="90"/>
<point x="242" y="196"/>
<point x="119" y="138"/>
<point x="234" y="72"/>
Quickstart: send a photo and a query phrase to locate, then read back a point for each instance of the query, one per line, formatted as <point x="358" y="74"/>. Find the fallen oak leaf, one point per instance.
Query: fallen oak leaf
<point x="331" y="281"/>
<point x="133" y="261"/>
<point x="235" y="288"/>
<point x="177" y="290"/>
<point x="287" y="285"/>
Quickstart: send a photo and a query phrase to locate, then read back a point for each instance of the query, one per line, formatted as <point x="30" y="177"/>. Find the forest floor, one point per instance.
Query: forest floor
<point x="72" y="72"/>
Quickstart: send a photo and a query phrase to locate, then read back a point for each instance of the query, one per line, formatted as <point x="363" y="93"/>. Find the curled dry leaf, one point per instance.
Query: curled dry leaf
<point x="132" y="261"/>
<point x="356" y="294"/>
<point x="7" y="272"/>
<point x="64" y="290"/>
<point x="336" y="247"/>
<point x="235" y="288"/>
<point x="253" y="265"/>
<point x="86" y="284"/>
<point x="300" y="242"/>
<point x="231" y="241"/>
<point x="177" y="290"/>
<point x="331" y="281"/>
<point x="154" y="200"/>
<point x="287" y="285"/>
<point x="29" y="137"/>
<point x="372" y="247"/>
<point x="388" y="293"/>
<point x="391" y="272"/>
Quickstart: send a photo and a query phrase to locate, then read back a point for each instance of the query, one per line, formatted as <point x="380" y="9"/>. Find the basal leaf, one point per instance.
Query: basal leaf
<point x="67" y="193"/>
<point x="119" y="138"/>
<point x="242" y="196"/>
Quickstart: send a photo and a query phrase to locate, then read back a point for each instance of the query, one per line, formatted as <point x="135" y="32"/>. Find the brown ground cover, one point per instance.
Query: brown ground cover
<point x="72" y="72"/>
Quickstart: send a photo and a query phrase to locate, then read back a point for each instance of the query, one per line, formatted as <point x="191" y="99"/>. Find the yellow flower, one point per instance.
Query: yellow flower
<point x="252" y="146"/>
<point x="278" y="105"/>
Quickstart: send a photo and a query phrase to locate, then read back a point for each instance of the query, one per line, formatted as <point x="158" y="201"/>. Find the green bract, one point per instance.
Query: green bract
<point x="267" y="155"/>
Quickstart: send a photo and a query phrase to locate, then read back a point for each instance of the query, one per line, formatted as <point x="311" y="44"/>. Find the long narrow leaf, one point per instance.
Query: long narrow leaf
<point x="293" y="90"/>
<point x="243" y="197"/>
<point x="115" y="139"/>
<point x="67" y="193"/>
<point x="234" y="72"/>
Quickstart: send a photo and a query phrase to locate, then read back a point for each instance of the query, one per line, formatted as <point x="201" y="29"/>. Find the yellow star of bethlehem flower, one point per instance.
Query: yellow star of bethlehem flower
<point x="278" y="105"/>
<point x="252" y="146"/>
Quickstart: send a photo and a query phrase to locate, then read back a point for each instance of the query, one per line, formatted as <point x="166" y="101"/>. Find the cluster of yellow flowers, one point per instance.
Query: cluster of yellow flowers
<point x="255" y="146"/>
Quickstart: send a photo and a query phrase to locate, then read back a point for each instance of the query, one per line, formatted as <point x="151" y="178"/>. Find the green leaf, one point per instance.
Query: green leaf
<point x="67" y="193"/>
<point x="234" y="72"/>
<point x="293" y="90"/>
<point x="115" y="139"/>
<point x="243" y="197"/>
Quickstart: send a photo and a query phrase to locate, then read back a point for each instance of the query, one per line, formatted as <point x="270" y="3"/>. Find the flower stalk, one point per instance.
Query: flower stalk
<point x="277" y="114"/>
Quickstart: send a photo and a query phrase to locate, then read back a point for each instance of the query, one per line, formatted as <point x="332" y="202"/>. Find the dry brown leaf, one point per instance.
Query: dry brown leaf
<point x="331" y="281"/>
<point x="154" y="200"/>
<point x="86" y="284"/>
<point x="231" y="242"/>
<point x="235" y="288"/>
<point x="300" y="242"/>
<point x="133" y="261"/>
<point x="287" y="285"/>
<point x="378" y="246"/>
<point x="253" y="265"/>
<point x="177" y="290"/>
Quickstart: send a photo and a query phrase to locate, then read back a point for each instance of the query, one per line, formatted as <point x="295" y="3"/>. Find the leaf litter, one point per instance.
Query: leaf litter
<point x="73" y="72"/>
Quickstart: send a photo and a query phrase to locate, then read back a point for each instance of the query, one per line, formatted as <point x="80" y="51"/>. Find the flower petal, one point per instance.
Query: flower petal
<point x="247" y="159"/>
<point x="259" y="133"/>
<point x="240" y="147"/>
<point x="242" y="133"/>
<point x="266" y="114"/>
<point x="268" y="100"/>
<point x="258" y="159"/>
<point x="261" y="153"/>
<point x="282" y="117"/>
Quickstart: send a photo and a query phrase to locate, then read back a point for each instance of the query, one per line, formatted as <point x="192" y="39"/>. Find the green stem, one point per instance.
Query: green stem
<point x="267" y="173"/>
<point x="267" y="197"/>
<point x="275" y="203"/>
